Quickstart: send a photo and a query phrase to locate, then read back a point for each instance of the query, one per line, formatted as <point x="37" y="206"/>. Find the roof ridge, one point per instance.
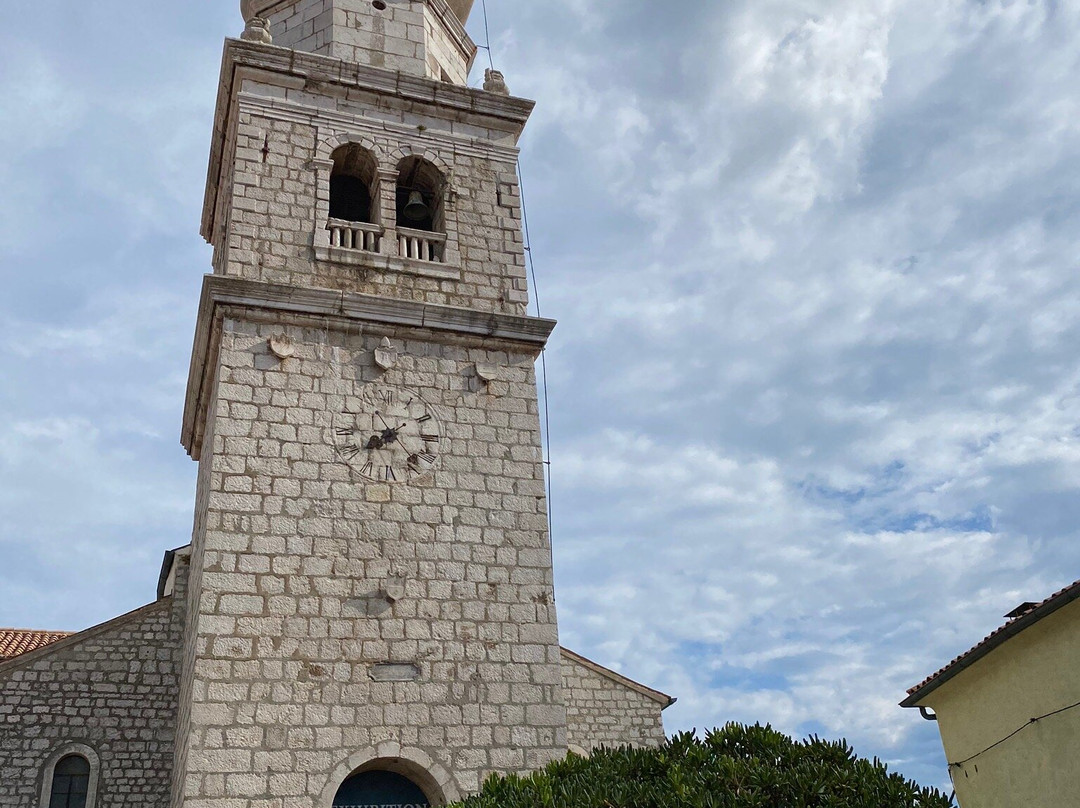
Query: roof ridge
<point x="35" y="630"/>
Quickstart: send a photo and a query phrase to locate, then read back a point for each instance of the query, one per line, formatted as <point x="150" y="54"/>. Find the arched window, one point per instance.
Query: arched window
<point x="70" y="777"/>
<point x="378" y="789"/>
<point x="419" y="195"/>
<point x="352" y="185"/>
<point x="420" y="192"/>
<point x="354" y="200"/>
<point x="70" y="783"/>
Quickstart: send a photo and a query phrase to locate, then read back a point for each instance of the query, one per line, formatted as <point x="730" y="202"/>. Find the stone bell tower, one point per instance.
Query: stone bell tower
<point x="370" y="582"/>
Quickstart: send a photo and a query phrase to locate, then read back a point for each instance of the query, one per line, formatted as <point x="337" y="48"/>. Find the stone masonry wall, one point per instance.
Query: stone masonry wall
<point x="298" y="551"/>
<point x="114" y="691"/>
<point x="395" y="38"/>
<point x="192" y="570"/>
<point x="603" y="712"/>
<point x="276" y="214"/>
<point x="443" y="55"/>
<point x="305" y="26"/>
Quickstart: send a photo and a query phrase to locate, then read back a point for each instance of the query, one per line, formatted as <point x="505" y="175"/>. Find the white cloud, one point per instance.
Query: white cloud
<point x="831" y="434"/>
<point x="37" y="117"/>
<point x="814" y="388"/>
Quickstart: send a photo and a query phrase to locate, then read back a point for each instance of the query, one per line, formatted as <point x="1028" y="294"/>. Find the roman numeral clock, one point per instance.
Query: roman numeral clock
<point x="389" y="434"/>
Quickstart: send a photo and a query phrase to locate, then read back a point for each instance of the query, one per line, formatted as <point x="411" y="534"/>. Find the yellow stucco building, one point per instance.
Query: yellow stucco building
<point x="1009" y="710"/>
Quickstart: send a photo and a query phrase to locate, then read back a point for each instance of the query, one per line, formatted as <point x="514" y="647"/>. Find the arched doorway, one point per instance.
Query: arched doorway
<point x="380" y="789"/>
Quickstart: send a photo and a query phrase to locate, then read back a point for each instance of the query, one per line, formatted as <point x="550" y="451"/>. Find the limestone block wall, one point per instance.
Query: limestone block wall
<point x="112" y="689"/>
<point x="445" y="59"/>
<point x="407" y="37"/>
<point x="392" y="38"/>
<point x="602" y="711"/>
<point x="306" y="25"/>
<point x="276" y="196"/>
<point x="190" y="567"/>
<point x="298" y="553"/>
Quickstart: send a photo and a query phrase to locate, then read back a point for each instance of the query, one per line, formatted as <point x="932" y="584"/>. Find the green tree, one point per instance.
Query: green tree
<point x="733" y="767"/>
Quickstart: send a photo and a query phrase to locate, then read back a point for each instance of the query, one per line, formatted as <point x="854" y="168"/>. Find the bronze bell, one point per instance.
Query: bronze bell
<point x="416" y="209"/>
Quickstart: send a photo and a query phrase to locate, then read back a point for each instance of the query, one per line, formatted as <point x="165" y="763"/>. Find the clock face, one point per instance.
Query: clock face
<point x="393" y="436"/>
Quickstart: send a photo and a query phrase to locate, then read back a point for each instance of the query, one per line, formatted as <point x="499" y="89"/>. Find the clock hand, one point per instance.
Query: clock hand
<point x="388" y="436"/>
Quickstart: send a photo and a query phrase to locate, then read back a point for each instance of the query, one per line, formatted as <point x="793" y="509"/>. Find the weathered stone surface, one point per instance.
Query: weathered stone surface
<point x="395" y="672"/>
<point x="467" y="547"/>
<point x="601" y="710"/>
<point x="424" y="38"/>
<point x="113" y="689"/>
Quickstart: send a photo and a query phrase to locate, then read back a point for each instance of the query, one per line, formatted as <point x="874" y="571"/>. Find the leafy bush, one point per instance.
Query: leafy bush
<point x="733" y="767"/>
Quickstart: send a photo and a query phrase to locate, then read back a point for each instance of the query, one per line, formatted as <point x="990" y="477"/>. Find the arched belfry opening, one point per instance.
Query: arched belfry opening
<point x="380" y="788"/>
<point x="354" y="200"/>
<point x="353" y="184"/>
<point x="421" y="218"/>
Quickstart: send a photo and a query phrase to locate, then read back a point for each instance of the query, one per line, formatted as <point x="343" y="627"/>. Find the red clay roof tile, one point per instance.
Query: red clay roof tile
<point x="1025" y="619"/>
<point x="16" y="642"/>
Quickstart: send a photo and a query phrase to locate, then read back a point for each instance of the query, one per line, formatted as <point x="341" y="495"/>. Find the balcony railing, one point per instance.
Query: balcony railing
<point x="421" y="245"/>
<point x="355" y="235"/>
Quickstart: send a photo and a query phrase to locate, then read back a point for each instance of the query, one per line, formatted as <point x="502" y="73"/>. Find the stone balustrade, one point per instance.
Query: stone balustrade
<point x="417" y="245"/>
<point x="421" y="245"/>
<point x="355" y="235"/>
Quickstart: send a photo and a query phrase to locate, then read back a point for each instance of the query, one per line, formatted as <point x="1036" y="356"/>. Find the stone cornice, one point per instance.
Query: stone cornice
<point x="435" y="98"/>
<point x="221" y="293"/>
<point x="449" y="19"/>
<point x="326" y="119"/>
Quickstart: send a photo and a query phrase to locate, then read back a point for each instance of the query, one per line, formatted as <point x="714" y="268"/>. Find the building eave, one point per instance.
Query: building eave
<point x="1055" y="602"/>
<point x="167" y="566"/>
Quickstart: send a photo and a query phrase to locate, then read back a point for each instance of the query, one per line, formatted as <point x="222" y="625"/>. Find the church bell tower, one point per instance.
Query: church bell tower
<point x="370" y="600"/>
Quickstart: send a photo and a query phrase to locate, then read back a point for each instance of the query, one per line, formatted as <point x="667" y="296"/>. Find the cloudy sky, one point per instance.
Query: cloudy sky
<point x="814" y="392"/>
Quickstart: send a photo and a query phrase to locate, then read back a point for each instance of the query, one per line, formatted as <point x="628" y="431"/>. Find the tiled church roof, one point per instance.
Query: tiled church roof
<point x="16" y="642"/>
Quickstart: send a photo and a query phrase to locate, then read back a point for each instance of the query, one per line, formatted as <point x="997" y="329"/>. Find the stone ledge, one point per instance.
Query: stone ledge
<point x="387" y="263"/>
<point x="315" y="68"/>
<point x="221" y="292"/>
